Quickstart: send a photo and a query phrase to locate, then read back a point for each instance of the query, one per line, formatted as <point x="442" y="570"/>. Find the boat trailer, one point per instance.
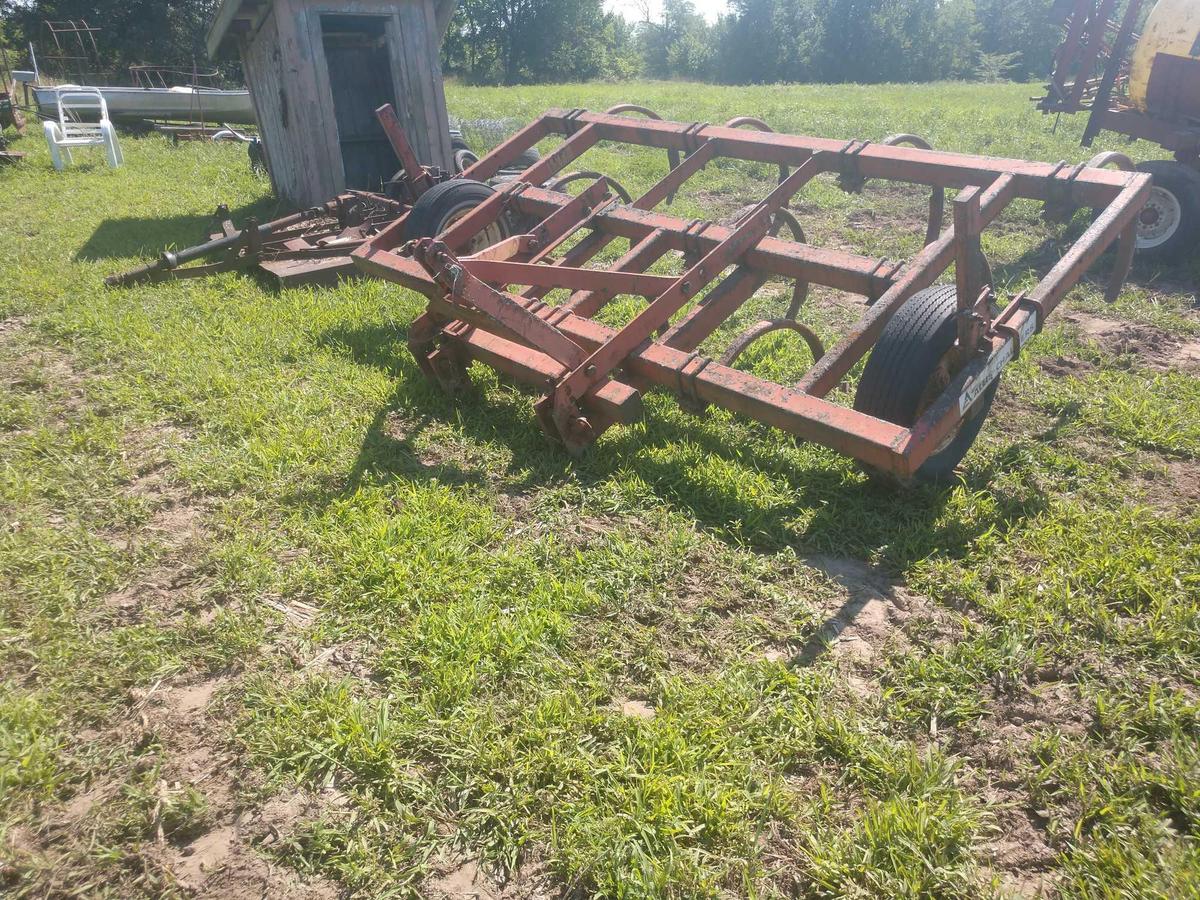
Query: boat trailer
<point x="938" y="351"/>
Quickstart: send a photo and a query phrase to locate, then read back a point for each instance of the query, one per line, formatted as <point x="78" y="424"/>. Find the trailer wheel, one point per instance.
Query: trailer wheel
<point x="464" y="158"/>
<point x="1168" y="228"/>
<point x="910" y="367"/>
<point x="446" y="203"/>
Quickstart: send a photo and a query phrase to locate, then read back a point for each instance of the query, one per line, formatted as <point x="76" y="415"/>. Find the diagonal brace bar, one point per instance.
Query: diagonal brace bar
<point x="511" y="313"/>
<point x="752" y="230"/>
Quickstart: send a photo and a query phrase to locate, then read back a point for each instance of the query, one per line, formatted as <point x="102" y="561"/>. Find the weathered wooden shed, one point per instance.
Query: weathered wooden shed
<point x="318" y="69"/>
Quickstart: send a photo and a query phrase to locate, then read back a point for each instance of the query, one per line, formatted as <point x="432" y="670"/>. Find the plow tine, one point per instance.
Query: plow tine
<point x="673" y="157"/>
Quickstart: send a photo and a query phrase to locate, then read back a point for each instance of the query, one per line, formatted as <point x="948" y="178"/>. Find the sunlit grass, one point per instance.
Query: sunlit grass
<point x="495" y="604"/>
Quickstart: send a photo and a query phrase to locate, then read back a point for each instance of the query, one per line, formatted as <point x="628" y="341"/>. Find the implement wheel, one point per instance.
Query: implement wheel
<point x="446" y="203"/>
<point x="1168" y="228"/>
<point x="908" y="370"/>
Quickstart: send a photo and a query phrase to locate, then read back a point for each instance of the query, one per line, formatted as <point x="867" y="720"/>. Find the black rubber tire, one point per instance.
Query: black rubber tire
<point x="528" y="158"/>
<point x="458" y="143"/>
<point x="464" y="158"/>
<point x="443" y="202"/>
<point x="896" y="375"/>
<point x="1183" y="183"/>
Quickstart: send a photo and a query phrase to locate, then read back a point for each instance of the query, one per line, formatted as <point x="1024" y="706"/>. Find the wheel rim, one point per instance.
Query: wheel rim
<point x="493" y="234"/>
<point x="939" y="379"/>
<point x="1159" y="219"/>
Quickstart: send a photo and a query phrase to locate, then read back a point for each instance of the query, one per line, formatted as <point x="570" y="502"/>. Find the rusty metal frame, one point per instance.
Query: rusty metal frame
<point x="308" y="247"/>
<point x="491" y="307"/>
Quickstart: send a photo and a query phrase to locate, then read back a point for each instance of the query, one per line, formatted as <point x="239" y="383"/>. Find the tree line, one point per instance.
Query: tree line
<point x="132" y="32"/>
<point x="525" y="41"/>
<point x="757" y="41"/>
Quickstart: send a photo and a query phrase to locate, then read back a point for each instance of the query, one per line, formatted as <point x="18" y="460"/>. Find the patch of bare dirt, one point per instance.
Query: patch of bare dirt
<point x="531" y="520"/>
<point x="1019" y="848"/>
<point x="1173" y="487"/>
<point x="1065" y="366"/>
<point x="1156" y="348"/>
<point x="170" y="740"/>
<point x="225" y="858"/>
<point x="635" y="709"/>
<point x="175" y="527"/>
<point x="468" y="879"/>
<point x="47" y="370"/>
<point x="872" y="616"/>
<point x="13" y="323"/>
<point x="175" y="733"/>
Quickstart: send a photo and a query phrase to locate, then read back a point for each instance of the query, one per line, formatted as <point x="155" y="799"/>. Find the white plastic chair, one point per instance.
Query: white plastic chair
<point x="71" y="131"/>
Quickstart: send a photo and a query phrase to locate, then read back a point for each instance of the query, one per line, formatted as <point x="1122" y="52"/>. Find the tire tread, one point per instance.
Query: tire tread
<point x="431" y="209"/>
<point x="898" y="370"/>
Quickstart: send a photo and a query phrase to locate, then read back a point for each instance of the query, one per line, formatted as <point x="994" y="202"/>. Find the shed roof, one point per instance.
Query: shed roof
<point x="243" y="16"/>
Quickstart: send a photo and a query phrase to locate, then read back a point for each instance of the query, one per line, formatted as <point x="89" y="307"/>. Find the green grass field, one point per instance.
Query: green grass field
<point x="277" y="618"/>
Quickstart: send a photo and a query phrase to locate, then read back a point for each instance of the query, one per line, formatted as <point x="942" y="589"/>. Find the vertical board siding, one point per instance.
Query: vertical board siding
<point x="315" y="131"/>
<point x="263" y="65"/>
<point x="286" y="58"/>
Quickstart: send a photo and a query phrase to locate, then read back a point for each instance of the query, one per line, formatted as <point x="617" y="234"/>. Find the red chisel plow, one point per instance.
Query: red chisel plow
<point x="936" y="352"/>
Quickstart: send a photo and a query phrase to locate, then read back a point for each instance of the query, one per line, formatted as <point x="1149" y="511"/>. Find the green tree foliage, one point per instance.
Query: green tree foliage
<point x="757" y="41"/>
<point x="514" y="41"/>
<point x="1027" y="28"/>
<point x="151" y="32"/>
<point x="848" y="40"/>
<point x="678" y="45"/>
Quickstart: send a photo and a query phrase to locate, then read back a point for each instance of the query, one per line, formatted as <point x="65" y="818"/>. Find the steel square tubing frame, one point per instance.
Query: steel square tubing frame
<point x="800" y="411"/>
<point x="931" y="167"/>
<point x="1007" y="179"/>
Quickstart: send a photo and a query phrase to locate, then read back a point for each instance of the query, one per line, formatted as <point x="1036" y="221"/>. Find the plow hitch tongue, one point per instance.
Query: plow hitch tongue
<point x="513" y="281"/>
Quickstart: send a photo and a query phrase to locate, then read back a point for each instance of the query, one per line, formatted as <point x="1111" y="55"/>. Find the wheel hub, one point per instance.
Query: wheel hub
<point x="492" y="234"/>
<point x="1159" y="219"/>
<point x="939" y="379"/>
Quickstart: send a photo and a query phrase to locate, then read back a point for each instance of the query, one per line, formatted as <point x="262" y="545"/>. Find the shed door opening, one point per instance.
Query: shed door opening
<point x="360" y="78"/>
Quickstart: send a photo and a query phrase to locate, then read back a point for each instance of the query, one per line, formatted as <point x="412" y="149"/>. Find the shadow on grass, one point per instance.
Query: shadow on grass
<point x="144" y="236"/>
<point x="827" y="507"/>
<point x="1145" y="274"/>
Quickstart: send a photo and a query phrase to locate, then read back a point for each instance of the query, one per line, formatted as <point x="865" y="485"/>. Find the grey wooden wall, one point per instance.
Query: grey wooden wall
<point x="289" y="83"/>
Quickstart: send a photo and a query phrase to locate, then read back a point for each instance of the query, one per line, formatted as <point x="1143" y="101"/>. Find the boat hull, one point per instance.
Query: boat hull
<point x="172" y="104"/>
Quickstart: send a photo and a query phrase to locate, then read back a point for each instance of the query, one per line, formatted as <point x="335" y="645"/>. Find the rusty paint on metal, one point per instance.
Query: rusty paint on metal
<point x="490" y="307"/>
